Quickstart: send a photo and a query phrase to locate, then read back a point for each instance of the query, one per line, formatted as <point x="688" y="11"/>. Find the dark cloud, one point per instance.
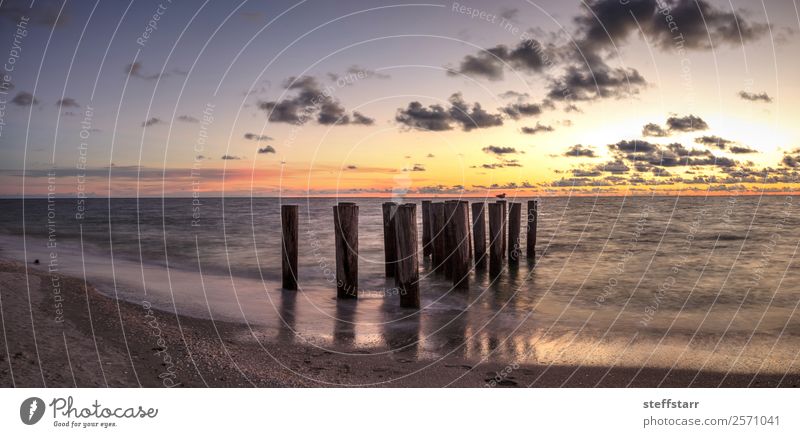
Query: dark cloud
<point x="351" y="167"/>
<point x="514" y="95"/>
<point x="742" y="150"/>
<point x="653" y="130"/>
<point x="519" y="110"/>
<point x="438" y="118"/>
<point x="499" y="150"/>
<point x="472" y="118"/>
<point x="152" y="121"/>
<point x="430" y="155"/>
<point x="753" y="97"/>
<point x="310" y="100"/>
<point x="231" y="157"/>
<point x="604" y="23"/>
<point x="188" y="119"/>
<point x="433" y="118"/>
<point x="256" y="137"/>
<point x="359" y="118"/>
<point x="266" y="149"/>
<point x="713" y="141"/>
<point x="579" y="150"/>
<point x="584" y="82"/>
<point x="135" y="70"/>
<point x="688" y="123"/>
<point x="24" y="98"/>
<point x="417" y="167"/>
<point x="536" y="129"/>
<point x="791" y="159"/>
<point x="527" y="56"/>
<point x="67" y="102"/>
<point x="643" y="155"/>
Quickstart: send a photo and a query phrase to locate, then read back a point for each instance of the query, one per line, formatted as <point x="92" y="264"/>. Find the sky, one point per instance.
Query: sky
<point x="373" y="98"/>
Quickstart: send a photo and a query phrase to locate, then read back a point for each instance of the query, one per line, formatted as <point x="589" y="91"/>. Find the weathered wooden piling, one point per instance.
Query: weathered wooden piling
<point x="461" y="245"/>
<point x="533" y="217"/>
<point x="495" y="238"/>
<point x="437" y="215"/>
<point x="514" y="222"/>
<point x="289" y="231"/>
<point x="469" y="231"/>
<point x="504" y="209"/>
<point x="407" y="271"/>
<point x="479" y="233"/>
<point x="389" y="240"/>
<point x="345" y="222"/>
<point x="427" y="248"/>
<point x="449" y="239"/>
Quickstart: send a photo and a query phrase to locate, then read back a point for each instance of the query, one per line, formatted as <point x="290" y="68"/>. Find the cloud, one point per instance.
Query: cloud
<point x="753" y="97"/>
<point x="519" y="110"/>
<point x="713" y="141"/>
<point x="135" y="70"/>
<point x="351" y="167"/>
<point x="24" y="98"/>
<point x="471" y="118"/>
<point x="742" y="150"/>
<point x="310" y="100"/>
<point x="499" y="150"/>
<point x="699" y="24"/>
<point x="67" y="102"/>
<point x="527" y="56"/>
<point x="433" y="118"/>
<point x="359" y="118"/>
<point x="510" y="94"/>
<point x="230" y="157"/>
<point x="653" y="130"/>
<point x="266" y="149"/>
<point x="688" y="123"/>
<point x="256" y="137"/>
<point x="536" y="129"/>
<point x="643" y="155"/>
<point x="152" y="121"/>
<point x="430" y="155"/>
<point x="416" y="167"/>
<point x="438" y="118"/>
<point x="579" y="150"/>
<point x="599" y="81"/>
<point x="188" y="119"/>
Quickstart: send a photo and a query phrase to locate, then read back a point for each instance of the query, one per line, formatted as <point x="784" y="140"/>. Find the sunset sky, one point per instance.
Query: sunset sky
<point x="379" y="97"/>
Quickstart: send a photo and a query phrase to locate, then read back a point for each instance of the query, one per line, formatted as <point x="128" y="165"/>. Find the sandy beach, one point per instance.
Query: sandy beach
<point x="66" y="334"/>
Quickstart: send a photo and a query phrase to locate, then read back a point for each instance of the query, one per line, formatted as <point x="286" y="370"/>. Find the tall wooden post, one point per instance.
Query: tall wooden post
<point x="479" y="233"/>
<point x="514" y="222"/>
<point x="437" y="215"/>
<point x="407" y="272"/>
<point x="345" y="222"/>
<point x="495" y="238"/>
<point x="289" y="220"/>
<point x="389" y="240"/>
<point x="469" y="231"/>
<point x="533" y="213"/>
<point x="461" y="244"/>
<point x="427" y="247"/>
<point x="449" y="246"/>
<point x="504" y="206"/>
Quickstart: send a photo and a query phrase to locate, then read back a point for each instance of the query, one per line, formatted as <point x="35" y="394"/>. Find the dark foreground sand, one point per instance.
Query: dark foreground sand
<point x="91" y="340"/>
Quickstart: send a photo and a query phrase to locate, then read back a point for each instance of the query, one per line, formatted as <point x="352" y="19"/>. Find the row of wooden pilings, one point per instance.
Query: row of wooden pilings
<point x="447" y="234"/>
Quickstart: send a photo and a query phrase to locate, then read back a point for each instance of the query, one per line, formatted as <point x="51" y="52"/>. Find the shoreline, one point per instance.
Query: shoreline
<point x="86" y="339"/>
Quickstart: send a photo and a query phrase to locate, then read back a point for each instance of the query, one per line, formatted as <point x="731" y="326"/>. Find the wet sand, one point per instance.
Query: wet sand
<point x="64" y="333"/>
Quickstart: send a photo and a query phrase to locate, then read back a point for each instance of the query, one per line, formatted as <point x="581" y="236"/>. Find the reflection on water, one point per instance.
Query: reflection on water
<point x="689" y="282"/>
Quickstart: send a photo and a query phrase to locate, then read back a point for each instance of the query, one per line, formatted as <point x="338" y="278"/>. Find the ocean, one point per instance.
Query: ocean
<point x="685" y="282"/>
